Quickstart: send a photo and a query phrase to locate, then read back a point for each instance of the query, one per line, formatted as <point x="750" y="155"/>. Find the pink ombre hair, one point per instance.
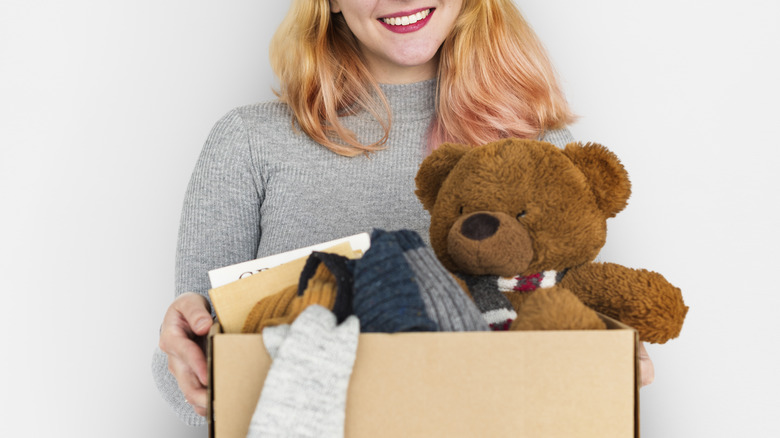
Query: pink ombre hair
<point x="494" y="78"/>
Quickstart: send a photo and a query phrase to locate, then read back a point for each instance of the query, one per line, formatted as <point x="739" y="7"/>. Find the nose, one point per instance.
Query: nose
<point x="480" y="226"/>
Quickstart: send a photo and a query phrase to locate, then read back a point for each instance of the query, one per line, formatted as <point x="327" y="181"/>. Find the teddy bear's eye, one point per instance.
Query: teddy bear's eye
<point x="460" y="210"/>
<point x="520" y="215"/>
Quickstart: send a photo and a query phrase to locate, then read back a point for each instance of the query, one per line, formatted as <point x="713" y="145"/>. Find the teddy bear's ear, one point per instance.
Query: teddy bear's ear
<point x="607" y="177"/>
<point x="434" y="170"/>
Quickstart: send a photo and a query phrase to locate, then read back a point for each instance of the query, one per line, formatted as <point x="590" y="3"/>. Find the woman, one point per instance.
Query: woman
<point x="368" y="87"/>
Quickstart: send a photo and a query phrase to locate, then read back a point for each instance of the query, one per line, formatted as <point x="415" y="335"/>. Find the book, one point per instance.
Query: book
<point x="228" y="274"/>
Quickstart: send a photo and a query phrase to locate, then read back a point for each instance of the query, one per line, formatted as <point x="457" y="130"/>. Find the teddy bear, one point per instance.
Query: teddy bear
<point x="520" y="223"/>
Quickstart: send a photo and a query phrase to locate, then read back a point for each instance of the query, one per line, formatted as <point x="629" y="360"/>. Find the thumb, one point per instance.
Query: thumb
<point x="194" y="308"/>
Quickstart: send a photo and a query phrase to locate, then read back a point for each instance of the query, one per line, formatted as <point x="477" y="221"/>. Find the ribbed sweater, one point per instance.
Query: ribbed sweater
<point x="261" y="187"/>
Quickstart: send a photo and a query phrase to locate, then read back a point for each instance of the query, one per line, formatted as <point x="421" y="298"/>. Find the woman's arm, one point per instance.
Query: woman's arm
<point x="220" y="226"/>
<point x="220" y="221"/>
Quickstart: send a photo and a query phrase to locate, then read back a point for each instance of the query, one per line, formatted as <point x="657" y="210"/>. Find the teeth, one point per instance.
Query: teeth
<point x="405" y="21"/>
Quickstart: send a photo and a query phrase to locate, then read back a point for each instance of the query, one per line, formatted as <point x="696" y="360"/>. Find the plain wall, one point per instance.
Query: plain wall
<point x="104" y="107"/>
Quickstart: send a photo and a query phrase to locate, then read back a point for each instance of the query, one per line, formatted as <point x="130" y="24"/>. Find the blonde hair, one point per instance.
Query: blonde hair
<point x="494" y="78"/>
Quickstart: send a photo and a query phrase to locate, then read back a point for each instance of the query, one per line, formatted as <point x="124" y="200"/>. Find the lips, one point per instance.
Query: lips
<point x="405" y="22"/>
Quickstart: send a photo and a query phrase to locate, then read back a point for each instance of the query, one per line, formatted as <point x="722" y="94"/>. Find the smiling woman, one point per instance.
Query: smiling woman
<point x="387" y="78"/>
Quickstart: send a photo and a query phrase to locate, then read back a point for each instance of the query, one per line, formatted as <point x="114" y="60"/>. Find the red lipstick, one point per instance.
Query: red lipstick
<point x="395" y="25"/>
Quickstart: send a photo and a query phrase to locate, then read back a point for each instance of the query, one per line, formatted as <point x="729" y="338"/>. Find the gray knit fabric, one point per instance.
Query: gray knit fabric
<point x="305" y="392"/>
<point x="558" y="137"/>
<point x="260" y="188"/>
<point x="445" y="301"/>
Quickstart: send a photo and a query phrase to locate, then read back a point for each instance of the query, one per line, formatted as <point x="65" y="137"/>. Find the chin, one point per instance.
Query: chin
<point x="416" y="58"/>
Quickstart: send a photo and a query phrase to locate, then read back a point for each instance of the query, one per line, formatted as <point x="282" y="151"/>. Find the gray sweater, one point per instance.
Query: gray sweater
<point x="261" y="187"/>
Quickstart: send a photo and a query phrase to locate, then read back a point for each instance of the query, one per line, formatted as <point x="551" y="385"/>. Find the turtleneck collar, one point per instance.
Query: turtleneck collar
<point x="413" y="101"/>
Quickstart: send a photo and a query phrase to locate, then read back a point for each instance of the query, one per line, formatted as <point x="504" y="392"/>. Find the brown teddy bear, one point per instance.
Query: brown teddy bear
<point x="520" y="223"/>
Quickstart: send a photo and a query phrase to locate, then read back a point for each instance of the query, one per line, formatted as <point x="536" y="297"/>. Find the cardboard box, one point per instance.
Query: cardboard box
<point x="526" y="384"/>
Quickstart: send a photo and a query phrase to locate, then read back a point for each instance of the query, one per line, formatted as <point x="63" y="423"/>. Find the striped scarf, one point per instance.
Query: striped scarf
<point x="495" y="307"/>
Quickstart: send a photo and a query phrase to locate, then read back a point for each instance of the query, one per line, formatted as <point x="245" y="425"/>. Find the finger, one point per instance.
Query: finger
<point x="200" y="411"/>
<point x="646" y="368"/>
<point x="189" y="353"/>
<point x="175" y="323"/>
<point x="176" y="342"/>
<point x="194" y="392"/>
<point x="194" y="308"/>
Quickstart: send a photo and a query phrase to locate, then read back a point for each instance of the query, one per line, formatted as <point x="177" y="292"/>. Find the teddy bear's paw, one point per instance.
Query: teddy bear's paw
<point x="556" y="308"/>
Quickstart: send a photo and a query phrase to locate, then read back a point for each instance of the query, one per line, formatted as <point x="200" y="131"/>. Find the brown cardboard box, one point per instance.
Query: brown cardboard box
<point x="526" y="384"/>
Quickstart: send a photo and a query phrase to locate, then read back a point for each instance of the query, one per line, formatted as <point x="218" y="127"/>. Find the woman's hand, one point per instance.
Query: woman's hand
<point x="184" y="327"/>
<point x="646" y="369"/>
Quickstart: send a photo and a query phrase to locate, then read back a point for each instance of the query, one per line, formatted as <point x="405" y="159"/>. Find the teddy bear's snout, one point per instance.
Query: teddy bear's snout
<point x="480" y="226"/>
<point x="489" y="243"/>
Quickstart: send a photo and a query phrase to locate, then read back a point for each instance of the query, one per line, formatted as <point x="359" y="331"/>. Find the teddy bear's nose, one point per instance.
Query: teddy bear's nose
<point x="480" y="226"/>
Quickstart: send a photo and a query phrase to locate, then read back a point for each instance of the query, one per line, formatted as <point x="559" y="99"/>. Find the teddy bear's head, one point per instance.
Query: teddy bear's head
<point x="518" y="207"/>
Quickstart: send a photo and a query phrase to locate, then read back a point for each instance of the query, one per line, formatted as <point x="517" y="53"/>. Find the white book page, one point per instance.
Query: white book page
<point x="228" y="274"/>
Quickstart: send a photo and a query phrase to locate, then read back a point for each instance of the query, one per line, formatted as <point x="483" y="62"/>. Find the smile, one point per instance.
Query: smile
<point x="406" y="22"/>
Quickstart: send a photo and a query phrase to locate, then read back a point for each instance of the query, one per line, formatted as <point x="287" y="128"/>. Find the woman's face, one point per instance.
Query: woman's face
<point x="399" y="38"/>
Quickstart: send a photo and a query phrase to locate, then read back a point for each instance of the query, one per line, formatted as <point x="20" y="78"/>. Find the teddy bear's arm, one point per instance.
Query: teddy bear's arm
<point x="637" y="297"/>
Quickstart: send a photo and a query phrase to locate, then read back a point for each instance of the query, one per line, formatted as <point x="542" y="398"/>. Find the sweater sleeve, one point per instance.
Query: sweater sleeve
<point x="220" y="226"/>
<point x="558" y="137"/>
<point x="220" y="220"/>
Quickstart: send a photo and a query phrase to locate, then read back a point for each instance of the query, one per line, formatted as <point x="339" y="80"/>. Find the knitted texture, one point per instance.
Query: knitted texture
<point x="169" y="389"/>
<point x="305" y="392"/>
<point x="399" y="285"/>
<point x="495" y="307"/>
<point x="260" y="188"/>
<point x="387" y="298"/>
<point x="445" y="302"/>
<point x="283" y="307"/>
<point x="530" y="283"/>
<point x="326" y="280"/>
<point x="488" y="294"/>
<point x="340" y="273"/>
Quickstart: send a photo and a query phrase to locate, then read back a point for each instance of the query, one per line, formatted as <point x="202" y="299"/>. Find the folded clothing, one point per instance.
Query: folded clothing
<point x="397" y="286"/>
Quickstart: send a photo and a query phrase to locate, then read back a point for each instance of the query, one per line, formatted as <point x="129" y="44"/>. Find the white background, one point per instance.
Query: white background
<point x="104" y="107"/>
